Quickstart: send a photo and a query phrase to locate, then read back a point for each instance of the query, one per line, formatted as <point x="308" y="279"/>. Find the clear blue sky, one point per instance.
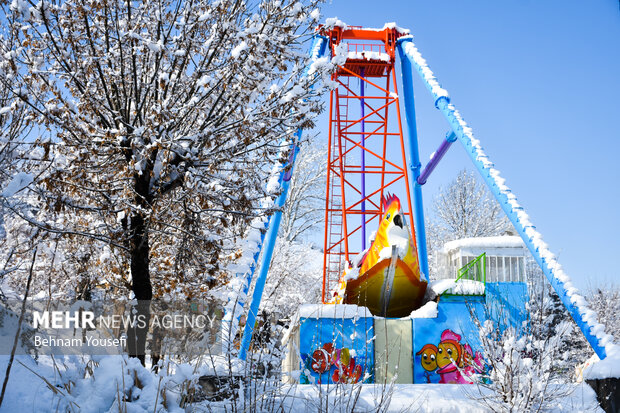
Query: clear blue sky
<point x="538" y="81"/>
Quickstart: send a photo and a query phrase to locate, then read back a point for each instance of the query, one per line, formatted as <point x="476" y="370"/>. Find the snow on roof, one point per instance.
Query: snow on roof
<point x="369" y="55"/>
<point x="336" y="22"/>
<point x="485" y="242"/>
<point x="460" y="287"/>
<point x="325" y="311"/>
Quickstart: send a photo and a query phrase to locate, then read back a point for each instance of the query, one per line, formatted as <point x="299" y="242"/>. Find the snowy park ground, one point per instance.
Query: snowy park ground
<point x="47" y="391"/>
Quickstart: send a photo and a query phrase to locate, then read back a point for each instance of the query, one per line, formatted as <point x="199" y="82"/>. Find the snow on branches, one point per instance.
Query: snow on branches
<point x="157" y="123"/>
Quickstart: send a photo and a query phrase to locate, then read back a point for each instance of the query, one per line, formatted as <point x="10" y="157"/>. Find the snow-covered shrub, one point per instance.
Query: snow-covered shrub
<point x="522" y="362"/>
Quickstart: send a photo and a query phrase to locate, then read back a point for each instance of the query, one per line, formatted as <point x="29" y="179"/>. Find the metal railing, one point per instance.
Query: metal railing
<point x="475" y="270"/>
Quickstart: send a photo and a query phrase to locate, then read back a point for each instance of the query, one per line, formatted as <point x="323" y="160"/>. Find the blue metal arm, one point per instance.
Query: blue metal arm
<point x="547" y="262"/>
<point x="317" y="50"/>
<point x="415" y="165"/>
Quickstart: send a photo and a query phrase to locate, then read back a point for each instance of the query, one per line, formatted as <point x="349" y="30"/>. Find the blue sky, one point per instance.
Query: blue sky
<point x="538" y="81"/>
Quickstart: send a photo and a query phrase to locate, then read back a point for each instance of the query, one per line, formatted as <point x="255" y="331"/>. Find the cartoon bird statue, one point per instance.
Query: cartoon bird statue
<point x="386" y="277"/>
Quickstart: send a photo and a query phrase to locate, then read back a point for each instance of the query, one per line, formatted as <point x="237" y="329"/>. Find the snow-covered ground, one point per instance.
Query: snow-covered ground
<point x="445" y="398"/>
<point x="27" y="392"/>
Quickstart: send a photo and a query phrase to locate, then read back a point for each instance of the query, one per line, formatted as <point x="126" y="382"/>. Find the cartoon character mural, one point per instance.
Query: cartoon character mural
<point x="452" y="360"/>
<point x="428" y="360"/>
<point x="336" y="350"/>
<point x="338" y="362"/>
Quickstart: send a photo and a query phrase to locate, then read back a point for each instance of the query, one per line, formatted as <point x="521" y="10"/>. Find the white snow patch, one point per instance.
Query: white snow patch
<point x="368" y="55"/>
<point x="607" y="368"/>
<point x="236" y="51"/>
<point x="340" y="54"/>
<point x="20" y="181"/>
<point x="434" y="397"/>
<point x="428" y="310"/>
<point x="468" y="287"/>
<point x="393" y="25"/>
<point x="441" y="286"/>
<point x="332" y="22"/>
<point x="273" y="185"/>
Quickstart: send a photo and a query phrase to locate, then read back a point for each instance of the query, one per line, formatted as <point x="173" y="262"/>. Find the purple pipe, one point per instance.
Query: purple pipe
<point x="439" y="153"/>
<point x="363" y="164"/>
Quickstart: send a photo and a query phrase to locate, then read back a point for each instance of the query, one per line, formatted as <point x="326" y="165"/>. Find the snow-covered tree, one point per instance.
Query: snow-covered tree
<point x="296" y="268"/>
<point x="575" y="349"/>
<point x="605" y="300"/>
<point x="304" y="211"/>
<point x="16" y="173"/>
<point x="295" y="277"/>
<point x="158" y="122"/>
<point x="465" y="208"/>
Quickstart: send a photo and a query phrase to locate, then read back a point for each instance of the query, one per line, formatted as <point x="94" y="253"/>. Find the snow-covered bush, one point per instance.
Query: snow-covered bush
<point x="523" y="366"/>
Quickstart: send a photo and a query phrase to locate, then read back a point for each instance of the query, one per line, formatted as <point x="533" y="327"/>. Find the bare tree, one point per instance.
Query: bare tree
<point x="158" y="123"/>
<point x="304" y="210"/>
<point x="465" y="209"/>
<point x="605" y="300"/>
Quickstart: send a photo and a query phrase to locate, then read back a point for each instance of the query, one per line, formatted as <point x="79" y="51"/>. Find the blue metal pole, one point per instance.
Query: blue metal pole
<point x="412" y="134"/>
<point x="317" y="50"/>
<point x="271" y="237"/>
<point x="507" y="200"/>
<point x="439" y="153"/>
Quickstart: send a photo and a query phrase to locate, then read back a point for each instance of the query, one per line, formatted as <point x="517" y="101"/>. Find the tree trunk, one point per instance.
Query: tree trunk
<point x="141" y="286"/>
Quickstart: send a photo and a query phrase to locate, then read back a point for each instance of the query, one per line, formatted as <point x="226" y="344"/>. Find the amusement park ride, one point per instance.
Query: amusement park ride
<point x="374" y="182"/>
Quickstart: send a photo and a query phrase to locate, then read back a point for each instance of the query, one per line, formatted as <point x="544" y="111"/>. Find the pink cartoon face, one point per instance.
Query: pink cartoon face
<point x="447" y="352"/>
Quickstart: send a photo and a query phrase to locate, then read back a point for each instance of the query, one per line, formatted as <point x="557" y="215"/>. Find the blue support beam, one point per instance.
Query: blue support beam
<point x="317" y="50"/>
<point x="573" y="302"/>
<point x="415" y="165"/>
<point x="271" y="237"/>
<point x="439" y="153"/>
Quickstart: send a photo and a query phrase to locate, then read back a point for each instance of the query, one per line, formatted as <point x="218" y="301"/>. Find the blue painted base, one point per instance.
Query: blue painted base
<point x="343" y="349"/>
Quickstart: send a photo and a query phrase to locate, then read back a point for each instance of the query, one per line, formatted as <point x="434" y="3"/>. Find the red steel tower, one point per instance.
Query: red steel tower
<point x="366" y="151"/>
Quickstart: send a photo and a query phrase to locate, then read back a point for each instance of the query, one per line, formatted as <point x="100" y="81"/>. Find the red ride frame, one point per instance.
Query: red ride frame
<point x="345" y="138"/>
